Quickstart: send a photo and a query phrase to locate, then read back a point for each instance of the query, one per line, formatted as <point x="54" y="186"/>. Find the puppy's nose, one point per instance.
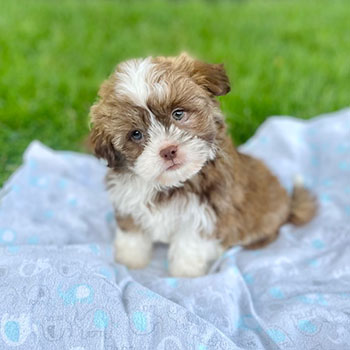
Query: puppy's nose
<point x="168" y="153"/>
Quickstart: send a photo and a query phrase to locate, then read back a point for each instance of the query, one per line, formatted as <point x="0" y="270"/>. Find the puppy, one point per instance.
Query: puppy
<point x="175" y="176"/>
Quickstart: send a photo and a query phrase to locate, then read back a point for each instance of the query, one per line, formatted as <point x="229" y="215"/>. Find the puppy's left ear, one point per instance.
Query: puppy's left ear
<point x="103" y="148"/>
<point x="212" y="77"/>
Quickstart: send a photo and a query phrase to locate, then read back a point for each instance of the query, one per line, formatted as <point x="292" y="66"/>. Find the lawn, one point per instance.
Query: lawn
<point x="283" y="57"/>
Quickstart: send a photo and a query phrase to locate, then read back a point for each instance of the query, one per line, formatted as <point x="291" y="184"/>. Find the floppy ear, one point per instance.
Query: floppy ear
<point x="103" y="148"/>
<point x="212" y="77"/>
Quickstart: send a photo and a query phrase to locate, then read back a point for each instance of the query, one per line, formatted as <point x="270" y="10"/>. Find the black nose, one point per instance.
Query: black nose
<point x="169" y="153"/>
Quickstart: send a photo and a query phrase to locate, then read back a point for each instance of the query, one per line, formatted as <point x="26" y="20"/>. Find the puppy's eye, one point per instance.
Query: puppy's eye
<point x="136" y="135"/>
<point x="178" y="113"/>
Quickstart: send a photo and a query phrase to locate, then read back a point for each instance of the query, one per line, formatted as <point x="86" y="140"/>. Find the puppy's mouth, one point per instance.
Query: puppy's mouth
<point x="173" y="166"/>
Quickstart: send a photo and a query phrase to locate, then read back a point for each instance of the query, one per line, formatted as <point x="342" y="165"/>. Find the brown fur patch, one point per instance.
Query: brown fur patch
<point x="127" y="224"/>
<point x="211" y="77"/>
<point x="248" y="200"/>
<point x="113" y="121"/>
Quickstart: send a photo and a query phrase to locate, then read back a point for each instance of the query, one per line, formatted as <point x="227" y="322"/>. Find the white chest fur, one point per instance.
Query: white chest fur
<point x="181" y="214"/>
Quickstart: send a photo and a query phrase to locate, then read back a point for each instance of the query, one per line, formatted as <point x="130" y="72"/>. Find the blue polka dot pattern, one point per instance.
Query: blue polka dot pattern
<point x="276" y="335"/>
<point x="307" y="326"/>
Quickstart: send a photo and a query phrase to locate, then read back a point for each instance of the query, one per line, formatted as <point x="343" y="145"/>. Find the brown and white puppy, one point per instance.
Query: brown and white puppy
<point x="175" y="176"/>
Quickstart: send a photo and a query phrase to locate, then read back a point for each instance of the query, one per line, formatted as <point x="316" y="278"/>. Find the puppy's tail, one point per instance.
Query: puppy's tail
<point x="303" y="204"/>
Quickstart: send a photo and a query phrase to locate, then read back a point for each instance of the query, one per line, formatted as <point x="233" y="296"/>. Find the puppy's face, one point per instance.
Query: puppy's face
<point x="158" y="117"/>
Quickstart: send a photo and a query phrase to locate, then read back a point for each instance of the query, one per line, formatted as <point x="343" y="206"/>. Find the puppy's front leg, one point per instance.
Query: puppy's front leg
<point x="133" y="247"/>
<point x="190" y="254"/>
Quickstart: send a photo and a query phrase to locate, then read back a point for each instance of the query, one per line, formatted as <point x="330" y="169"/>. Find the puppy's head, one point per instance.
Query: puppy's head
<point x="158" y="117"/>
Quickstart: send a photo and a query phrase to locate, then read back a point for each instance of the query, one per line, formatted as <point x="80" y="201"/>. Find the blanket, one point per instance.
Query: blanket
<point x="61" y="289"/>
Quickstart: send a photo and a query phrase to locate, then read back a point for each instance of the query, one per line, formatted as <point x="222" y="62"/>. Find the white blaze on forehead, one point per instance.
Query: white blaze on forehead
<point x="137" y="79"/>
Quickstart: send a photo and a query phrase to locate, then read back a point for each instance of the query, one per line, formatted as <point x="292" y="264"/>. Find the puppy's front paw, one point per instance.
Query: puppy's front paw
<point x="132" y="249"/>
<point x="190" y="255"/>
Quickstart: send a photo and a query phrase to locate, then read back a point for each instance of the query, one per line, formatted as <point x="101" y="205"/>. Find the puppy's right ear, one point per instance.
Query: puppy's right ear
<point x="103" y="148"/>
<point x="212" y="77"/>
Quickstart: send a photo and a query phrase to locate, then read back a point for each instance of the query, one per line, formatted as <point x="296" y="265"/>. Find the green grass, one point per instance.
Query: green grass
<point x="283" y="57"/>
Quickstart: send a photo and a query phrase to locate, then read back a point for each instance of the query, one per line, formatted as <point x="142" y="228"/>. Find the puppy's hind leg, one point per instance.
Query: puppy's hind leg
<point x="262" y="242"/>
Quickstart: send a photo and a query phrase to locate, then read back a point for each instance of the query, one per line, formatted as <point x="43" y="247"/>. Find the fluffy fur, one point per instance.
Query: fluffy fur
<point x="202" y="198"/>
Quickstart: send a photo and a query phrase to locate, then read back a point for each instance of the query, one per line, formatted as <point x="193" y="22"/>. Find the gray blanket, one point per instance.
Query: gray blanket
<point x="60" y="289"/>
